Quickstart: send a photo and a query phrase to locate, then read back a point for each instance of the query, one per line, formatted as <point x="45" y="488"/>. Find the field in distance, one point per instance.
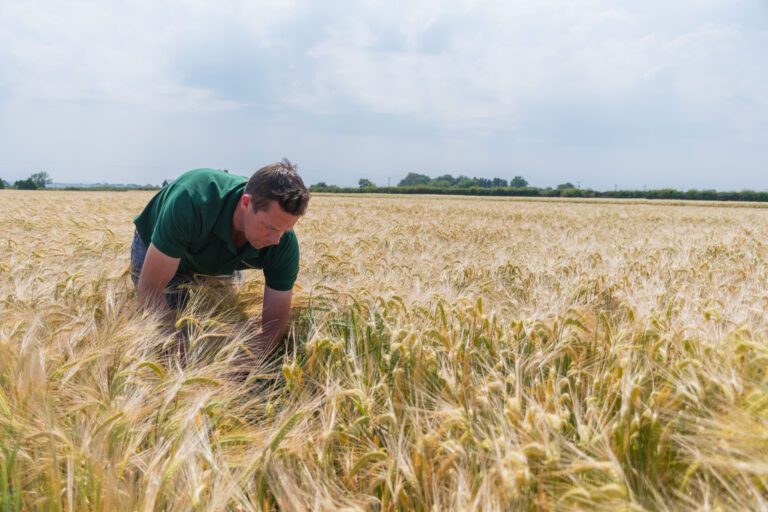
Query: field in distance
<point x="446" y="354"/>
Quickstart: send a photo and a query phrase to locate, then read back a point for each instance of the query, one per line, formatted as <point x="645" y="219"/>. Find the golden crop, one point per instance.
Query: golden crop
<point x="446" y="354"/>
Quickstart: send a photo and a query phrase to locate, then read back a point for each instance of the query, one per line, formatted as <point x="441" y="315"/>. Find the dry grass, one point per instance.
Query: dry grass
<point x="446" y="354"/>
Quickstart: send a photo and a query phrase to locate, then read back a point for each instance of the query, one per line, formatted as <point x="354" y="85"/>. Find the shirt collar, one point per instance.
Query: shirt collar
<point x="223" y="228"/>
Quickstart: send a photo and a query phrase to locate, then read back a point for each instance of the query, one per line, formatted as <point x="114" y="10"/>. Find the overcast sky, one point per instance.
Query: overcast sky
<point x="604" y="93"/>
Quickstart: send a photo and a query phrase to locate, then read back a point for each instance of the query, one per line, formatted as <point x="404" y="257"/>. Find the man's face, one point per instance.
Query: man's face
<point x="265" y="227"/>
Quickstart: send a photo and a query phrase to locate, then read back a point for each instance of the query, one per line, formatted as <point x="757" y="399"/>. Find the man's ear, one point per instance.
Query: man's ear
<point x="246" y="200"/>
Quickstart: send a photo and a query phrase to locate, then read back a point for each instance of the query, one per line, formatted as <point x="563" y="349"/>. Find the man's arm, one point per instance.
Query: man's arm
<point x="275" y="315"/>
<point x="156" y="273"/>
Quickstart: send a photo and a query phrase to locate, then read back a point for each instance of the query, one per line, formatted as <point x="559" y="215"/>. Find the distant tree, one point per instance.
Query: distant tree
<point x="446" y="180"/>
<point x="464" y="182"/>
<point x="26" y="184"/>
<point x="2" y="183"/>
<point x="165" y="183"/>
<point x="518" y="182"/>
<point x="414" y="179"/>
<point x="565" y="186"/>
<point x="323" y="187"/>
<point x="498" y="182"/>
<point x="41" y="179"/>
<point x="363" y="183"/>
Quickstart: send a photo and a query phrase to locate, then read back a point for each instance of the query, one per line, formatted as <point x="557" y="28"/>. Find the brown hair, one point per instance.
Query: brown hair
<point x="279" y="182"/>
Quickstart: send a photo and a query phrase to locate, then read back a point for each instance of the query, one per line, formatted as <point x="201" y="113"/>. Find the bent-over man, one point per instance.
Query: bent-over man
<point x="212" y="223"/>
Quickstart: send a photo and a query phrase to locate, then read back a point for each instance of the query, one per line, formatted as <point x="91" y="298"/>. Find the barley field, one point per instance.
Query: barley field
<point x="445" y="354"/>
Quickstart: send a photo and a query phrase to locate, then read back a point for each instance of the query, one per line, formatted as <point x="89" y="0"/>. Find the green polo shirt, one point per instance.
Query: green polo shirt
<point x="191" y="219"/>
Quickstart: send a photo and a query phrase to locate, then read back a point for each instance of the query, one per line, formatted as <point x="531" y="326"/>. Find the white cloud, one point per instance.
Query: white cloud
<point x="490" y="58"/>
<point x="512" y="53"/>
<point x="118" y="52"/>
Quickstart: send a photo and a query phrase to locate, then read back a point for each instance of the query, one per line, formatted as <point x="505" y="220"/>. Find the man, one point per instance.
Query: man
<point x="213" y="223"/>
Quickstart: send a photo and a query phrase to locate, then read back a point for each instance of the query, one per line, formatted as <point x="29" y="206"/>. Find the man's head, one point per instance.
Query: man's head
<point x="274" y="199"/>
<point x="278" y="182"/>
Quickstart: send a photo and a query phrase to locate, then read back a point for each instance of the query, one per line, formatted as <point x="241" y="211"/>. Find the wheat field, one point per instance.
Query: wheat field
<point x="445" y="354"/>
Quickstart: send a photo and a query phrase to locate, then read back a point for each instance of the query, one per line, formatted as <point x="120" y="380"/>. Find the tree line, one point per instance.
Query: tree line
<point x="41" y="180"/>
<point x="38" y="180"/>
<point x="446" y="184"/>
<point x="415" y="183"/>
<point x="414" y="179"/>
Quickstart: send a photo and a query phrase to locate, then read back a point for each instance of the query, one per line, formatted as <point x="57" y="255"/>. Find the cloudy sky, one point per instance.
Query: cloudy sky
<point x="601" y="92"/>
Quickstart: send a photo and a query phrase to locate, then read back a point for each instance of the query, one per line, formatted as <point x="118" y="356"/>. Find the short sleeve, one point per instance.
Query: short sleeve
<point x="176" y="226"/>
<point x="281" y="267"/>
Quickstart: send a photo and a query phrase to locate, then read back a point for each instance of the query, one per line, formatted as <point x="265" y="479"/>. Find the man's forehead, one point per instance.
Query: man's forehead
<point x="278" y="218"/>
